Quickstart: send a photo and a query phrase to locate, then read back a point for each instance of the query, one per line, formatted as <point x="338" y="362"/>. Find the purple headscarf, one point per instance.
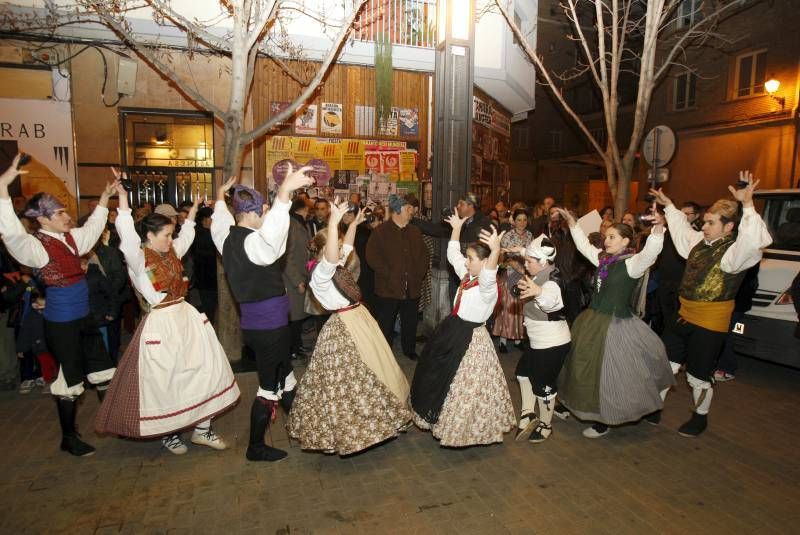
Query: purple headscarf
<point x="46" y="206"/>
<point x="256" y="204"/>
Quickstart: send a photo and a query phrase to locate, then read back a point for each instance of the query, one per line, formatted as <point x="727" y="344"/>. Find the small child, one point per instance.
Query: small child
<point x="101" y="302"/>
<point x="31" y="342"/>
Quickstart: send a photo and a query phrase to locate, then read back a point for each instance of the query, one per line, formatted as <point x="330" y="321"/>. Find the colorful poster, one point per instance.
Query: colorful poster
<point x="331" y="120"/>
<point x="388" y="125"/>
<point x="306" y="122"/>
<point x="481" y="112"/>
<point x="365" y="120"/>
<point x="330" y="150"/>
<point x="304" y="148"/>
<point x="390" y="164"/>
<point x="409" y="122"/>
<point x="43" y="129"/>
<point x="372" y="162"/>
<point x="408" y="165"/>
<point x="353" y="155"/>
<point x="276" y="107"/>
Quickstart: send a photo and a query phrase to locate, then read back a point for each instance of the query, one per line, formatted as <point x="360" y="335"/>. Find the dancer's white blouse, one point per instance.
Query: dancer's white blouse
<point x="477" y="303"/>
<point x="131" y="247"/>
<point x="322" y="282"/>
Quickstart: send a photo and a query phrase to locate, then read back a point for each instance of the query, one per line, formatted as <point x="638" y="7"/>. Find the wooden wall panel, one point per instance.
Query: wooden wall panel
<point x="349" y="85"/>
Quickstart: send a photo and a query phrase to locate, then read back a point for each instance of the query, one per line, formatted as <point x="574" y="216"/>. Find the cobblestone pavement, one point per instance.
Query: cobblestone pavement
<point x="741" y="476"/>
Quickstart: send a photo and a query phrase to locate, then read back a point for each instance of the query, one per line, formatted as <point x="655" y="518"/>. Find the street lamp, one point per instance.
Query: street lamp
<point x="772" y="85"/>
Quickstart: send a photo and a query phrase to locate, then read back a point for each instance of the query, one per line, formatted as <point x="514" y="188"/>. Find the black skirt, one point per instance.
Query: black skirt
<point x="438" y="365"/>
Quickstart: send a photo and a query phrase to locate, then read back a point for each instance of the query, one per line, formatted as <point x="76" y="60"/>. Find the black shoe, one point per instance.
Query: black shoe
<point x="520" y="345"/>
<point x="260" y="417"/>
<point x="654" y="418"/>
<point x="502" y="348"/>
<point x="70" y="439"/>
<point x="541" y="433"/>
<point x="522" y="432"/>
<point x="695" y="426"/>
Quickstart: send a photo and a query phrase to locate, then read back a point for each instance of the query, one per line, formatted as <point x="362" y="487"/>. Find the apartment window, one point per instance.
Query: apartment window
<point x="519" y="136"/>
<point x="684" y="91"/>
<point x="751" y="73"/>
<point x="689" y="13"/>
<point x="555" y="141"/>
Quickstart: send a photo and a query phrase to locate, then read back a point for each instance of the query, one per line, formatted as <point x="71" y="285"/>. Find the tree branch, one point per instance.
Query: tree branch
<point x="312" y="86"/>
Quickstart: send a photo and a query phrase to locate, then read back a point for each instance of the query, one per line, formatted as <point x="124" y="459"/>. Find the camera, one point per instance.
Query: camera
<point x="741" y="184"/>
<point x="369" y="218"/>
<point x="516" y="291"/>
<point x="645" y="219"/>
<point x="352" y="208"/>
<point x="127" y="184"/>
<point x="447" y="212"/>
<point x="24" y="159"/>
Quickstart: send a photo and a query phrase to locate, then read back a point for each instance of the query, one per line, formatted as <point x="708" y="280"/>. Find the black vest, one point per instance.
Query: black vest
<point x="249" y="282"/>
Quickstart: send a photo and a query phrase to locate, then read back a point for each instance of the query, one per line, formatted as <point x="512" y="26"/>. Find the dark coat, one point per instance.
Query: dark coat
<point x="400" y="260"/>
<point x="101" y="299"/>
<point x="294" y="267"/>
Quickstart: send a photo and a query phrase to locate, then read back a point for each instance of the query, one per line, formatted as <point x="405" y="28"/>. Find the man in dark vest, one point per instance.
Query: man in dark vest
<point x="71" y="333"/>
<point x="716" y="260"/>
<point x="251" y="242"/>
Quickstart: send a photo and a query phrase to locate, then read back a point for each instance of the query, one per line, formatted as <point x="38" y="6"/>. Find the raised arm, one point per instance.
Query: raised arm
<point x="86" y="236"/>
<point x="26" y="249"/>
<point x="184" y="240"/>
<point x="752" y="235"/>
<point x="350" y="235"/>
<point x="221" y="219"/>
<point x="547" y="296"/>
<point x="454" y="255"/>
<point x="683" y="235"/>
<point x="332" y="253"/>
<point x="487" y="279"/>
<point x="268" y="244"/>
<point x="639" y="263"/>
<point x="588" y="250"/>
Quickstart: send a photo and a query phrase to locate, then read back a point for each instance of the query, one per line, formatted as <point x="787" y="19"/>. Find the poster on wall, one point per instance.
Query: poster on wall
<point x="331" y="118"/>
<point x="365" y="120"/>
<point x="409" y="122"/>
<point x="276" y="107"/>
<point x="388" y="125"/>
<point x="43" y="129"/>
<point x="306" y="122"/>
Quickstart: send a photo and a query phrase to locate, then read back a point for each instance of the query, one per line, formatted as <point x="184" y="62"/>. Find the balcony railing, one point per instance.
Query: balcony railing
<point x="407" y="22"/>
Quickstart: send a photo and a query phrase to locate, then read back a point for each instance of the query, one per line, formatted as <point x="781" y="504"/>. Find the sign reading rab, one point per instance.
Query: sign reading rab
<point x="43" y="129"/>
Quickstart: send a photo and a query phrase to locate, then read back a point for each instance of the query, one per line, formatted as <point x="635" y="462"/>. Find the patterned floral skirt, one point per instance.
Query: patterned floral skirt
<point x="342" y="405"/>
<point x="477" y="409"/>
<point x="508" y="319"/>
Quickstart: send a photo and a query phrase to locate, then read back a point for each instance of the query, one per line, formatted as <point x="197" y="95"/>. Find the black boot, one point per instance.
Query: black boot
<point x="102" y="388"/>
<point x="70" y="439"/>
<point x="287" y="400"/>
<point x="654" y="418"/>
<point x="695" y="426"/>
<point x="260" y="416"/>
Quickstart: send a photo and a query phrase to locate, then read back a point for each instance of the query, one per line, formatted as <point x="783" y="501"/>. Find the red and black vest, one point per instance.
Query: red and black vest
<point x="64" y="268"/>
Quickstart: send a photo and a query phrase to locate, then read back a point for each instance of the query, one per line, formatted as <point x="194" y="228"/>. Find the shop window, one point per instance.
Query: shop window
<point x="684" y="91"/>
<point x="751" y="73"/>
<point x="169" y="155"/>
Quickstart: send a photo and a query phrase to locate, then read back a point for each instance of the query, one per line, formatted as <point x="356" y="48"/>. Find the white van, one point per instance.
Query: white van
<point x="767" y="330"/>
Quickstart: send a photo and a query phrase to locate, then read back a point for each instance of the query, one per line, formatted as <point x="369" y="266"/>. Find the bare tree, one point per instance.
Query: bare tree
<point x="257" y="31"/>
<point x="640" y="38"/>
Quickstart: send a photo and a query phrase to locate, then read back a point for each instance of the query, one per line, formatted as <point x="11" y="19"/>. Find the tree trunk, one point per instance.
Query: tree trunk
<point x="228" y="331"/>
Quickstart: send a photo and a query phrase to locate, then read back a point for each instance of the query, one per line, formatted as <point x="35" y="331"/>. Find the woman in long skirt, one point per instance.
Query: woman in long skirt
<point x="353" y="394"/>
<point x="617" y="366"/>
<point x="508" y="322"/>
<point x="459" y="391"/>
<point x="174" y="374"/>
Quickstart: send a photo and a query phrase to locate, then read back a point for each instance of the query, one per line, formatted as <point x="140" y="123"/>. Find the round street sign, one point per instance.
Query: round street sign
<point x="658" y="146"/>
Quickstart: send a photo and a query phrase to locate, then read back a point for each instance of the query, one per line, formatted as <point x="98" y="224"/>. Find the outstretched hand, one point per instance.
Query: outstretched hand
<point x="745" y="195"/>
<point x="492" y="239"/>
<point x="295" y="179"/>
<point x="455" y="221"/>
<point x="338" y="209"/>
<point x="225" y="187"/>
<point x="660" y="197"/>
<point x="11" y="173"/>
<point x="566" y="216"/>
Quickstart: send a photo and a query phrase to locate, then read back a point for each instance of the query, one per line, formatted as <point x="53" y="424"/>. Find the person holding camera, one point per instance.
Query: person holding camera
<point x="617" y="365"/>
<point x="717" y="259"/>
<point x="70" y="331"/>
<point x="508" y="320"/>
<point x="353" y="394"/>
<point x="459" y="391"/>
<point x="548" y="332"/>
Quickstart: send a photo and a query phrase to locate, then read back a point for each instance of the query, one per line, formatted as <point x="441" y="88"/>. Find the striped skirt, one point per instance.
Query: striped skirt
<point x="615" y="371"/>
